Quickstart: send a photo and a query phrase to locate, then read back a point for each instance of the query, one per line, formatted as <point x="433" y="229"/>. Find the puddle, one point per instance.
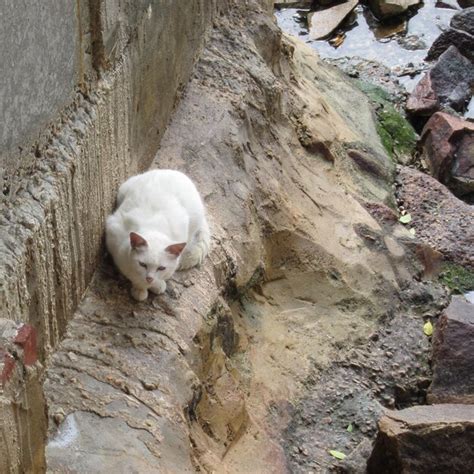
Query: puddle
<point x="366" y="39"/>
<point x="470" y="109"/>
<point x="470" y="296"/>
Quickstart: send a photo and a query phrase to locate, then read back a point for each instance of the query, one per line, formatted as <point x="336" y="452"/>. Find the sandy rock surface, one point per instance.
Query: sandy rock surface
<point x="303" y="285"/>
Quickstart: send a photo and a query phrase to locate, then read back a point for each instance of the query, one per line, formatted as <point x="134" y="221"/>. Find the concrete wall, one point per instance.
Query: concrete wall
<point x="39" y="70"/>
<point x="90" y="86"/>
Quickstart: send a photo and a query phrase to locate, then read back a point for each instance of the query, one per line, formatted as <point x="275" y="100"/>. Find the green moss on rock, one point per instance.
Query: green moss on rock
<point x="402" y="139"/>
<point x="397" y="135"/>
<point x="457" y="278"/>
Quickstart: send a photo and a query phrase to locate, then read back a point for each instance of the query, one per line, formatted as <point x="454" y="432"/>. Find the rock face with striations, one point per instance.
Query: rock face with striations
<point x="286" y="154"/>
<point x="453" y="355"/>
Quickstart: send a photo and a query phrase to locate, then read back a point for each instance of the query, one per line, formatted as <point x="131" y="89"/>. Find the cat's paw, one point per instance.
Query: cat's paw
<point x="139" y="294"/>
<point x="158" y="287"/>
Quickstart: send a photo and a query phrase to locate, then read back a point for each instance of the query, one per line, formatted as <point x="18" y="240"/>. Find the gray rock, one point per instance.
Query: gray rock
<point x="389" y="8"/>
<point x="323" y="22"/>
<point x="464" y="21"/>
<point x="460" y="34"/>
<point x="439" y="217"/>
<point x="447" y="84"/>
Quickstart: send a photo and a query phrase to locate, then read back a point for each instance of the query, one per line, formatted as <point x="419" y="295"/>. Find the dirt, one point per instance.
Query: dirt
<point x="307" y="317"/>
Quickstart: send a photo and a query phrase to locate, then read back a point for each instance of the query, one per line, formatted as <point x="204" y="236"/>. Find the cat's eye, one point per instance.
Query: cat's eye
<point x="160" y="269"/>
<point x="142" y="264"/>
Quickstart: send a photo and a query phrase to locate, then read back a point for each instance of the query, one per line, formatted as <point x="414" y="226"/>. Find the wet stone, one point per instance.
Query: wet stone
<point x="390" y="8"/>
<point x="324" y="22"/>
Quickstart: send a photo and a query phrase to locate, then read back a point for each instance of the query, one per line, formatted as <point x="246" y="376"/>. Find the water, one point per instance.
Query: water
<point x="470" y="296"/>
<point x="366" y="41"/>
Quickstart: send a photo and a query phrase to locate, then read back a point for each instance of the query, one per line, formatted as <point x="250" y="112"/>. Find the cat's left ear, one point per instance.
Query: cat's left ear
<point x="176" y="249"/>
<point x="137" y="241"/>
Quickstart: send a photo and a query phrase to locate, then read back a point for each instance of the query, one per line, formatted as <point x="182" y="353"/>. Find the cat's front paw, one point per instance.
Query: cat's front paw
<point x="158" y="287"/>
<point x="139" y="294"/>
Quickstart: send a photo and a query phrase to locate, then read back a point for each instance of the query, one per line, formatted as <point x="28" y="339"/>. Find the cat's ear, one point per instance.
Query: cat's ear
<point x="137" y="241"/>
<point x="176" y="249"/>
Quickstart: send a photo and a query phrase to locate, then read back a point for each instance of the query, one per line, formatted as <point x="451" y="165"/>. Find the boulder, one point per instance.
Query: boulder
<point x="390" y="8"/>
<point x="448" y="149"/>
<point x="453" y="354"/>
<point x="464" y="21"/>
<point x="447" y="84"/>
<point x="440" y="219"/>
<point x="460" y="34"/>
<point x="323" y="22"/>
<point x="466" y="3"/>
<point x="422" y="439"/>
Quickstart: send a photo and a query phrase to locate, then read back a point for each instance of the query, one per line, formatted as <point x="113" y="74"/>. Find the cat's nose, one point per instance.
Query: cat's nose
<point x="149" y="279"/>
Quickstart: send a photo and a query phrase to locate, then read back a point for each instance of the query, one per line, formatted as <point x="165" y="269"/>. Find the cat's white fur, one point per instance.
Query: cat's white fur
<point x="158" y="212"/>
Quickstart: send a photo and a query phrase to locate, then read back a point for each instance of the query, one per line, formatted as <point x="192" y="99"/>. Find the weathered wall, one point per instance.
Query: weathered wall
<point x="39" y="58"/>
<point x="90" y="86"/>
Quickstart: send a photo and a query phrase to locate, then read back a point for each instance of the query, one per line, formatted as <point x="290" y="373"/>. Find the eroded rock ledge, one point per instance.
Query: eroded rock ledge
<point x="214" y="375"/>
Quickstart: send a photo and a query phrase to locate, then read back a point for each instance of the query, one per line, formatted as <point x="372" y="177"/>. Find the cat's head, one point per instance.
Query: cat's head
<point x="152" y="259"/>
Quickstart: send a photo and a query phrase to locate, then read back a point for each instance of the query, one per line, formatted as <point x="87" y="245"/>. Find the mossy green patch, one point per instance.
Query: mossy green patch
<point x="457" y="278"/>
<point x="397" y="135"/>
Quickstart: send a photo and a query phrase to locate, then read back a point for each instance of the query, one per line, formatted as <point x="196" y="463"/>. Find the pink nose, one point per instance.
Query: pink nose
<point x="149" y="279"/>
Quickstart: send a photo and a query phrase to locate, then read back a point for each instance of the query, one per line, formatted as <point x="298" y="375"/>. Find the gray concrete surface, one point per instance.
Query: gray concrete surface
<point x="39" y="70"/>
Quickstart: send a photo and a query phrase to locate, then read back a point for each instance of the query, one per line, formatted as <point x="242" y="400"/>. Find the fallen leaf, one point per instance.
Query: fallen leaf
<point x="337" y="40"/>
<point x="405" y="219"/>
<point x="350" y="428"/>
<point x="337" y="454"/>
<point x="428" y="328"/>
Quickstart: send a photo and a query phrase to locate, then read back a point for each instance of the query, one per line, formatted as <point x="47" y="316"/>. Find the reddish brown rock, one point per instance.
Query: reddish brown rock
<point x="448" y="148"/>
<point x="453" y="354"/>
<point x="424" y="439"/>
<point x="440" y="219"/>
<point x="447" y="84"/>
<point x="423" y="100"/>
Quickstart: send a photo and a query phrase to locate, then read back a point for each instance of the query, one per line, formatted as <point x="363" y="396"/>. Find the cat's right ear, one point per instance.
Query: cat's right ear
<point x="137" y="241"/>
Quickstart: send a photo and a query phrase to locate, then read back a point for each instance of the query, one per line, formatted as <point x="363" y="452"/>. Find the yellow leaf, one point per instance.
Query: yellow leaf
<point x="428" y="328"/>
<point x="337" y="454"/>
<point x="405" y="219"/>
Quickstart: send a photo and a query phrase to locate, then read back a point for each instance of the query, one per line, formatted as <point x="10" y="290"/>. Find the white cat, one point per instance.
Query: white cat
<point x="159" y="226"/>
